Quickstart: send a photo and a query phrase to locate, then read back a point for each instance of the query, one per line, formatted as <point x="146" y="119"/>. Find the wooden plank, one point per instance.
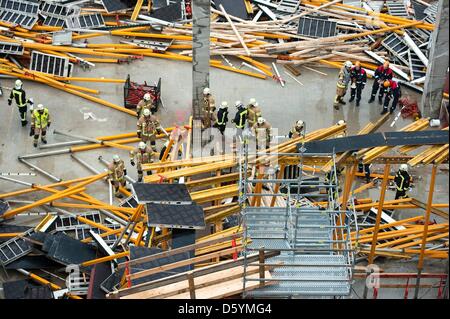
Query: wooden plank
<point x="434" y="210"/>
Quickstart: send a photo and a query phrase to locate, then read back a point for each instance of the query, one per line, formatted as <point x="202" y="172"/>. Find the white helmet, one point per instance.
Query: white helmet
<point x="146" y="112"/>
<point x="348" y="64"/>
<point x="142" y="145"/>
<point x="224" y="104"/>
<point x="341" y="122"/>
<point x="252" y="101"/>
<point x="299" y="123"/>
<point x="18" y="84"/>
<point x="147" y="97"/>
<point x="256" y="104"/>
<point x="261" y="120"/>
<point x="206" y="91"/>
<point x="237" y="103"/>
<point x="40" y="107"/>
<point x="116" y="158"/>
<point x="404" y="167"/>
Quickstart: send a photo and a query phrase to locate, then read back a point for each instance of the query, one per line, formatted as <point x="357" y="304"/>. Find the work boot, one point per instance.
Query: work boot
<point x="384" y="111"/>
<point x="336" y="106"/>
<point x="371" y="99"/>
<point x="391" y="111"/>
<point x="342" y="101"/>
<point x="380" y="100"/>
<point x="119" y="195"/>
<point x="351" y="99"/>
<point x="44" y="140"/>
<point x="357" y="103"/>
<point x="35" y="143"/>
<point x="24" y="123"/>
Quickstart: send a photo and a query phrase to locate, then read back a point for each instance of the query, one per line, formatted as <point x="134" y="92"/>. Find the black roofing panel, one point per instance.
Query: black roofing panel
<point x="24" y="289"/>
<point x="233" y="7"/>
<point x="117" y="5"/>
<point x="175" y="216"/>
<point x="67" y="250"/>
<point x="357" y="142"/>
<point x="33" y="262"/>
<point x="168" y="13"/>
<point x="161" y="193"/>
<point x="99" y="273"/>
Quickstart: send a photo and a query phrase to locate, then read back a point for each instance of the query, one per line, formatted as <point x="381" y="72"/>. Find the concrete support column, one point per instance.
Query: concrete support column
<point x="200" y="53"/>
<point x="438" y="63"/>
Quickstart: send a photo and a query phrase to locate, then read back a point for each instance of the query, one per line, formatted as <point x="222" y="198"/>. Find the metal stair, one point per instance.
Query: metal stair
<point x="397" y="9"/>
<point x="15" y="248"/>
<point x="313" y="258"/>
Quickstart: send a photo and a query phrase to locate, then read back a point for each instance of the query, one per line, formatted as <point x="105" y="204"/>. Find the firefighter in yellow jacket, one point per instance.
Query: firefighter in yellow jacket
<point x="262" y="130"/>
<point x="143" y="154"/>
<point x="40" y="121"/>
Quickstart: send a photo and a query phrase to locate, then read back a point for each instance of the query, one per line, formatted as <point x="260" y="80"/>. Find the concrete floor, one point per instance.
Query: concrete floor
<point x="311" y="102"/>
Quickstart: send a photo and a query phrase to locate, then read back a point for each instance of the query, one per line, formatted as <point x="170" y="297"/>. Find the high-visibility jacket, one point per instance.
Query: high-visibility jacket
<point x="222" y="116"/>
<point x="402" y="180"/>
<point x="148" y="126"/>
<point x="240" y="117"/>
<point x="262" y="131"/>
<point x="39" y="120"/>
<point x="142" y="105"/>
<point x="116" y="171"/>
<point x="19" y="96"/>
<point x="142" y="156"/>
<point x="295" y="132"/>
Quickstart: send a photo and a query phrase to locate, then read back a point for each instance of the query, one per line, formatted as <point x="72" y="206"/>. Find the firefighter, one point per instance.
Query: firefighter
<point x="297" y="130"/>
<point x="393" y="92"/>
<point x="208" y="108"/>
<point x="382" y="73"/>
<point x="19" y="96"/>
<point x="145" y="103"/>
<point x="342" y="84"/>
<point x="116" y="174"/>
<point x="358" y="78"/>
<point x="222" y="117"/>
<point x="147" y="128"/>
<point x="262" y="130"/>
<point x="402" y="180"/>
<point x="143" y="155"/>
<point x="253" y="112"/>
<point x="40" y="121"/>
<point x="240" y="117"/>
<point x="344" y="132"/>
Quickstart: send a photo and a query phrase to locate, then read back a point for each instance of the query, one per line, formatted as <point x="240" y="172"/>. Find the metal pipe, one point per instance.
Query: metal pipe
<point x="85" y="138"/>
<point x="40" y="170"/>
<point x="15" y="181"/>
<point x="36" y="155"/>
<point x="76" y="142"/>
<point x="85" y="164"/>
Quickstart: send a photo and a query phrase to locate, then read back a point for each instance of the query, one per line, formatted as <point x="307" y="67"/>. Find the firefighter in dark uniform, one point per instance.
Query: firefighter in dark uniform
<point x="358" y="78"/>
<point x="222" y="117"/>
<point x="366" y="169"/>
<point x="240" y="117"/>
<point x="393" y="92"/>
<point x="382" y="73"/>
<point x="19" y="95"/>
<point x="402" y="181"/>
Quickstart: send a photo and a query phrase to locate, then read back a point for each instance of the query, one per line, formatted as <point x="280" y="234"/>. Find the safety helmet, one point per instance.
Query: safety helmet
<point x="116" y="158"/>
<point x="404" y="167"/>
<point x="18" y="84"/>
<point x="261" y="120"/>
<point x="357" y="64"/>
<point x="256" y="104"/>
<point x="206" y="91"/>
<point x="142" y="145"/>
<point x="224" y="104"/>
<point x="252" y="101"/>
<point x="341" y="122"/>
<point x="146" y="112"/>
<point x="348" y="64"/>
<point x="147" y="97"/>
<point x="238" y="103"/>
<point x="299" y="123"/>
<point x="387" y="84"/>
<point x="40" y="107"/>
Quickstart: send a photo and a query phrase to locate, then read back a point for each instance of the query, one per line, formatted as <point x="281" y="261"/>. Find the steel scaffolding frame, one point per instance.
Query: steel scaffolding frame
<point x="315" y="256"/>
